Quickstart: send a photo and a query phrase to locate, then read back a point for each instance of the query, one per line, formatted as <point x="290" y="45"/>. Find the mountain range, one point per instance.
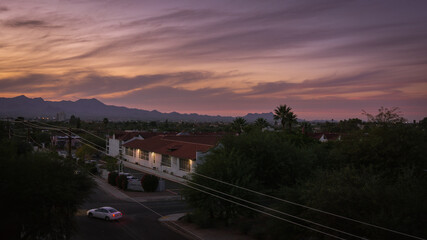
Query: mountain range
<point x="93" y="109"/>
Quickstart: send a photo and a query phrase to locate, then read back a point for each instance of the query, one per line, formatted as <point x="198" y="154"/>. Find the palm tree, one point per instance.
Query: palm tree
<point x="238" y="124"/>
<point x="291" y="118"/>
<point x="281" y="112"/>
<point x="261" y="123"/>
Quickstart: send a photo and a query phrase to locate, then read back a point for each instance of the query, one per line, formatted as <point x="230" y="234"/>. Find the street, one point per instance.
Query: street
<point x="138" y="222"/>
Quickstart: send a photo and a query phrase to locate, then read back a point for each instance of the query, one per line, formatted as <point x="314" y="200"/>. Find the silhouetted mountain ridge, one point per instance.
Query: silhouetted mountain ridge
<point x="93" y="109"/>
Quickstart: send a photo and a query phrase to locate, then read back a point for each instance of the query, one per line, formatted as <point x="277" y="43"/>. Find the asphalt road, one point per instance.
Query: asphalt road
<point x="137" y="223"/>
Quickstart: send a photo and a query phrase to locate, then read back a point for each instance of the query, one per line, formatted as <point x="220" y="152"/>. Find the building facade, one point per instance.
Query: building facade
<point x="175" y="155"/>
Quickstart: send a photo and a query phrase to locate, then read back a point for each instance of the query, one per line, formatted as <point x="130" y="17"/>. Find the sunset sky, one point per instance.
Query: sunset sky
<point x="325" y="59"/>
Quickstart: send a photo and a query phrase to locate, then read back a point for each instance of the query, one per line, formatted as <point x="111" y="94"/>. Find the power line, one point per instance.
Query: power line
<point x="283" y="200"/>
<point x="311" y="208"/>
<point x="269" y="214"/>
<point x="51" y="125"/>
<point x="146" y="207"/>
<point x="277" y="211"/>
<point x="34" y="141"/>
<point x="103" y="139"/>
<point x="60" y="130"/>
<point x="257" y="210"/>
<point x="82" y="129"/>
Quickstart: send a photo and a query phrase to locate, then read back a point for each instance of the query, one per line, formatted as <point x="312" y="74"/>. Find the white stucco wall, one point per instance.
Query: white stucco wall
<point x="113" y="147"/>
<point x="154" y="162"/>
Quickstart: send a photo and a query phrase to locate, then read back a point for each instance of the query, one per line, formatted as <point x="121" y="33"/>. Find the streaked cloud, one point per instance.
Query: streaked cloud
<point x="218" y="57"/>
<point x="3" y="9"/>
<point x="27" y="23"/>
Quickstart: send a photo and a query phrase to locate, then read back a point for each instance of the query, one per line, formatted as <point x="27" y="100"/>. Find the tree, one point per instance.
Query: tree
<point x="75" y="121"/>
<point x="261" y="123"/>
<point x="365" y="194"/>
<point x="238" y="124"/>
<point x="149" y="182"/>
<point x="111" y="163"/>
<point x="78" y="122"/>
<point x="285" y="115"/>
<point x="306" y="128"/>
<point x="386" y="116"/>
<point x="291" y="118"/>
<point x="84" y="152"/>
<point x="105" y="121"/>
<point x="42" y="195"/>
<point x="258" y="161"/>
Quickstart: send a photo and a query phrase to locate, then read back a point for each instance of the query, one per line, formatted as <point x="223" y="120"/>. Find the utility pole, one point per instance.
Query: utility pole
<point x="69" y="144"/>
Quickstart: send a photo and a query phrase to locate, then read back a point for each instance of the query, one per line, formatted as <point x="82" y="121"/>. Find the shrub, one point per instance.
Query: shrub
<point x="117" y="181"/>
<point x="112" y="178"/>
<point x="149" y="182"/>
<point x="201" y="218"/>
<point x="122" y="182"/>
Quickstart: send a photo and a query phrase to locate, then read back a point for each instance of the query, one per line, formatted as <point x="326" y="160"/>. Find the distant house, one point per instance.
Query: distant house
<point x="176" y="155"/>
<point x="325" y="137"/>
<point x="115" y="142"/>
<point x="60" y="141"/>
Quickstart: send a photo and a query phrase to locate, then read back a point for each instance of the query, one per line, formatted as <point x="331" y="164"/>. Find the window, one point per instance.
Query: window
<point x="129" y="151"/>
<point x="166" y="160"/>
<point x="143" y="155"/>
<point x="184" y="165"/>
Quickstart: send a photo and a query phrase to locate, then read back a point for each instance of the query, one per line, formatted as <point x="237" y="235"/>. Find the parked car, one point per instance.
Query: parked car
<point x="128" y="175"/>
<point x="107" y="213"/>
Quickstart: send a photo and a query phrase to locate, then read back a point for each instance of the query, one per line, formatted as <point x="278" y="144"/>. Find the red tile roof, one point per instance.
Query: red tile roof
<point x="205" y="139"/>
<point x="177" y="146"/>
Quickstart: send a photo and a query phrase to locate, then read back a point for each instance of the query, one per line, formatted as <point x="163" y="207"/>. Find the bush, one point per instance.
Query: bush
<point x="200" y="217"/>
<point x="112" y="178"/>
<point x="122" y="182"/>
<point x="149" y="182"/>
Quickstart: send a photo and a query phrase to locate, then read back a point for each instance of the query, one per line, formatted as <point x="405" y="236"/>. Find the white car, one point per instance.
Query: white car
<point x="128" y="175"/>
<point x="107" y="213"/>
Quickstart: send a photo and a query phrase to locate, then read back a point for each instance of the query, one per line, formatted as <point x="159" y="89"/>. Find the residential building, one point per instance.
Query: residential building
<point x="176" y="155"/>
<point x="115" y="142"/>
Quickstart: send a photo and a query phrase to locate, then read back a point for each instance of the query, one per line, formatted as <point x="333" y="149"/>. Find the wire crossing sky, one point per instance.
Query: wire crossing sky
<point x="325" y="59"/>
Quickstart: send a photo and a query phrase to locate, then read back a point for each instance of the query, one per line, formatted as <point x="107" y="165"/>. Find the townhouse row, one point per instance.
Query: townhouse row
<point x="174" y="154"/>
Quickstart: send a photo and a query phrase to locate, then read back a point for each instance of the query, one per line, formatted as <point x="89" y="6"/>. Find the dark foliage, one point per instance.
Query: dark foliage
<point x="112" y="178"/>
<point x="40" y="194"/>
<point x="122" y="182"/>
<point x="376" y="174"/>
<point x="149" y="182"/>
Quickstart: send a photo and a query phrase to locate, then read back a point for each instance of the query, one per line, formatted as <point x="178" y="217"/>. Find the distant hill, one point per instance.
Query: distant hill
<point x="93" y="109"/>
